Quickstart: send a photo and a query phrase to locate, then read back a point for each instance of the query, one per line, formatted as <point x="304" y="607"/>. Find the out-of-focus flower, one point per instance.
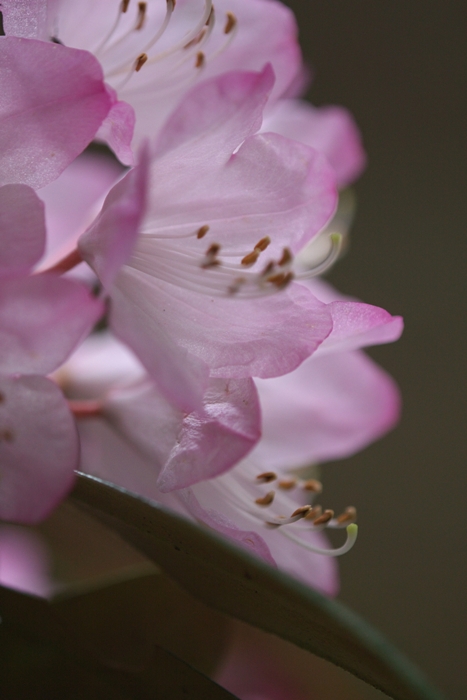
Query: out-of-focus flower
<point x="42" y="319"/>
<point x="24" y="561"/>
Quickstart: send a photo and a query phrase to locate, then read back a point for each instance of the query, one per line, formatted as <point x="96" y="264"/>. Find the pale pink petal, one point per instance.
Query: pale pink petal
<point x="117" y="129"/>
<point x="22" y="229"/>
<point x="270" y="186"/>
<point x="42" y="319"/>
<point x="52" y="102"/>
<point x="109" y="242"/>
<point x="39" y="448"/>
<point x="215" y="117"/>
<point x="215" y="439"/>
<point x="331" y="130"/>
<point x="74" y="199"/>
<point x="166" y="325"/>
<point x="329" y="408"/>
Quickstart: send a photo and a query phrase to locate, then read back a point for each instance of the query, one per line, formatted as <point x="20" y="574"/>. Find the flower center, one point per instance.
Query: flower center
<point x="278" y="507"/>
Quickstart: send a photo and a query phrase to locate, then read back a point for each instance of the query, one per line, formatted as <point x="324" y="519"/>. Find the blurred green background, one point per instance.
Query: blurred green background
<point x="400" y="68"/>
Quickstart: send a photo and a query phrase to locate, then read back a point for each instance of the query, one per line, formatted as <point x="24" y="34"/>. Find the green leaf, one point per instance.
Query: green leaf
<point x="41" y="658"/>
<point x="232" y="581"/>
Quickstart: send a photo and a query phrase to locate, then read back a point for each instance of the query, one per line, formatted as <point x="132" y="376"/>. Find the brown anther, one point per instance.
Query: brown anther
<point x="124" y="5"/>
<point x="266" y="477"/>
<point x="200" y="59"/>
<point x="231" y="23"/>
<point x="269" y="268"/>
<point x="286" y="257"/>
<point x="2" y="397"/>
<point x="213" y="249"/>
<point x="325" y="518"/>
<point x="172" y="2"/>
<point x="251" y="258"/>
<point x="314" y="513"/>
<point x="7" y="435"/>
<point x="313" y="485"/>
<point x="266" y="500"/>
<point x="142" y="7"/>
<point x="302" y="511"/>
<point x="140" y="61"/>
<point x="281" y="280"/>
<point x="202" y="231"/>
<point x="287" y="484"/>
<point x="263" y="244"/>
<point x="348" y="516"/>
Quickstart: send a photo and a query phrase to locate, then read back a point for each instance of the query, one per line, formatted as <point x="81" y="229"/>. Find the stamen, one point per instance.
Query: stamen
<point x="286" y="258"/>
<point x="263" y="244"/>
<point x="266" y="477"/>
<point x="348" y="516"/>
<point x="281" y="280"/>
<point x="231" y="23"/>
<point x="325" y="518"/>
<point x="202" y="231"/>
<point x="266" y="500"/>
<point x="140" y="61"/>
<point x="287" y="484"/>
<point x="200" y="60"/>
<point x="142" y="7"/>
<point x="124" y="5"/>
<point x="314" y="513"/>
<point x="250" y="259"/>
<point x="313" y="485"/>
<point x="302" y="511"/>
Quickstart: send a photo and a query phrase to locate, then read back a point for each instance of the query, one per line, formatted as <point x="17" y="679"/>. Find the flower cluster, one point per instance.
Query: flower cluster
<point x="161" y="324"/>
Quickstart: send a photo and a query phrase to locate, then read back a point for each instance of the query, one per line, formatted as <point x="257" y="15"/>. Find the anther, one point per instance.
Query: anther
<point x="140" y="61"/>
<point x="313" y="485"/>
<point x="286" y="257"/>
<point x="2" y="397"/>
<point x="251" y="258"/>
<point x="235" y="287"/>
<point x="266" y="500"/>
<point x="6" y="435"/>
<point x="268" y="269"/>
<point x="124" y="5"/>
<point x="231" y="23"/>
<point x="302" y="511"/>
<point x="281" y="280"/>
<point x="142" y="6"/>
<point x="213" y="249"/>
<point x="287" y="484"/>
<point x="263" y="244"/>
<point x="348" y="516"/>
<point x="202" y="231"/>
<point x="200" y="60"/>
<point x="266" y="477"/>
<point x="325" y="518"/>
<point x="314" y="513"/>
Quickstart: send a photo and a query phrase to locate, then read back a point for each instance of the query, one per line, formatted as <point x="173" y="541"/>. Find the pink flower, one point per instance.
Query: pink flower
<point x="42" y="319"/>
<point x="197" y="296"/>
<point x="331" y="406"/>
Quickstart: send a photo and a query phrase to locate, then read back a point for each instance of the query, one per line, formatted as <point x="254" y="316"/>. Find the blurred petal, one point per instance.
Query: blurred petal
<point x="42" y="319"/>
<point x="39" y="448"/>
<point x="22" y="229"/>
<point x="117" y="129"/>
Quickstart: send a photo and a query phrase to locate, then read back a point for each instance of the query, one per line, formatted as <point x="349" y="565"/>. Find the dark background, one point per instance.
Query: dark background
<point x="400" y="68"/>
